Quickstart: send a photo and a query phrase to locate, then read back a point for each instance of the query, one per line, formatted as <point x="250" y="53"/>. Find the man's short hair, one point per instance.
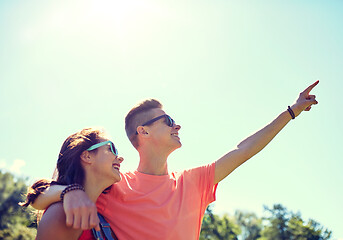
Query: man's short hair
<point x="137" y="116"/>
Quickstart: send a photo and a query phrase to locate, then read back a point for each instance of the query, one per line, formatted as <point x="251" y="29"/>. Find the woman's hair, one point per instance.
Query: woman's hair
<point x="69" y="169"/>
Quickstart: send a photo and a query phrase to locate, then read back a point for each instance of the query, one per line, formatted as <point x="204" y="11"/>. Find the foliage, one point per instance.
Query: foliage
<point x="250" y="224"/>
<point x="278" y="224"/>
<point x="283" y="224"/>
<point x="15" y="221"/>
<point x="17" y="232"/>
<point x="216" y="228"/>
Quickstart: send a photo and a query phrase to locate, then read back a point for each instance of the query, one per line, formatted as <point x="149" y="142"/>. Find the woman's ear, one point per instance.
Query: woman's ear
<point x="86" y="157"/>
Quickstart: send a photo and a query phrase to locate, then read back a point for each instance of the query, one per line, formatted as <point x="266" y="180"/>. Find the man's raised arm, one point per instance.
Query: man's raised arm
<point x="256" y="142"/>
<point x="80" y="211"/>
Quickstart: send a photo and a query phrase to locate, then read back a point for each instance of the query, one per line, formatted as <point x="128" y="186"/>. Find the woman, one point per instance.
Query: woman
<point x="87" y="161"/>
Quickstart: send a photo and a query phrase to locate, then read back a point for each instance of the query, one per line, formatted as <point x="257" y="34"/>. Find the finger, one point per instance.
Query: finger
<point x="85" y="221"/>
<point x="69" y="219"/>
<point x="94" y="220"/>
<point x="308" y="108"/>
<point x="308" y="89"/>
<point x="311" y="97"/>
<point x="97" y="228"/>
<point x="77" y="221"/>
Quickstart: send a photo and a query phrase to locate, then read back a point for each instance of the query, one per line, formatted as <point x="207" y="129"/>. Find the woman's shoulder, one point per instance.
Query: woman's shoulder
<point x="53" y="225"/>
<point x="54" y="213"/>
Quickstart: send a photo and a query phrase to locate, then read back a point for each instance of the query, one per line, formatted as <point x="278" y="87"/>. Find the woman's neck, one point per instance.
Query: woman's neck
<point x="93" y="189"/>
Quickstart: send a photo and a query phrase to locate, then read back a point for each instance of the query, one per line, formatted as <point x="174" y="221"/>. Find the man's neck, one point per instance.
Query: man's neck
<point x="153" y="165"/>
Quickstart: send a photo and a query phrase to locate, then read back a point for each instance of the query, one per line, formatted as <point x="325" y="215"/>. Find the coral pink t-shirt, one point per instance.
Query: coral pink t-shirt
<point x="164" y="207"/>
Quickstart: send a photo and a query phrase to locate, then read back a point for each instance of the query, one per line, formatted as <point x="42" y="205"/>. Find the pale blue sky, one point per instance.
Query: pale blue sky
<point x="222" y="69"/>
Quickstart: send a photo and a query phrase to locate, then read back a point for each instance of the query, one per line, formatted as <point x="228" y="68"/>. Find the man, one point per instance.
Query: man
<point x="152" y="203"/>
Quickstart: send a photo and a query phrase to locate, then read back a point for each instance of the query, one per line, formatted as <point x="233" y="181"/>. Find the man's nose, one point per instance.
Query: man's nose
<point x="177" y="127"/>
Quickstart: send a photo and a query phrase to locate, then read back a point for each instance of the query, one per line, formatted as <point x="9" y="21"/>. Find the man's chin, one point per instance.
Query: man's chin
<point x="176" y="146"/>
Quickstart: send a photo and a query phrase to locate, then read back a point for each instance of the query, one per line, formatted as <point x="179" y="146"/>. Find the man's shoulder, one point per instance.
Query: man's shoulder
<point x="195" y="170"/>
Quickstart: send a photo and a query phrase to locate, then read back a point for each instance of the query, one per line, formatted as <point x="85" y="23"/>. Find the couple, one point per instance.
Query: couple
<point x="151" y="202"/>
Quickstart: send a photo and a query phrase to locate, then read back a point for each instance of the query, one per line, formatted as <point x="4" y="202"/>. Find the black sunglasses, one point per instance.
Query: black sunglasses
<point x="168" y="120"/>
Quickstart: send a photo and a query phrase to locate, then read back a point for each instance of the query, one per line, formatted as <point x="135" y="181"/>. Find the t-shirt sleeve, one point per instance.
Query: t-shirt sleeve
<point x="202" y="179"/>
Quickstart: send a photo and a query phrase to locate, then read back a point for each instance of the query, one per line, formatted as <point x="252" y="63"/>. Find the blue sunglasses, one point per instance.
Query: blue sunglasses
<point x="113" y="148"/>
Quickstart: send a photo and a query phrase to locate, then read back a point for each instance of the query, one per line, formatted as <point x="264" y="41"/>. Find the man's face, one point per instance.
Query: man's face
<point x="161" y="134"/>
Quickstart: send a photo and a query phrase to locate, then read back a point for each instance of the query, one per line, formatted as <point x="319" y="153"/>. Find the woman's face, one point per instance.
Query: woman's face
<point x="106" y="164"/>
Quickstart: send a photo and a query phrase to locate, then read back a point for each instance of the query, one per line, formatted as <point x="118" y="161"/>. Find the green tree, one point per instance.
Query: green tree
<point x="215" y="227"/>
<point x="282" y="224"/>
<point x="16" y="222"/>
<point x="311" y="230"/>
<point x="17" y="232"/>
<point x="277" y="223"/>
<point x="250" y="224"/>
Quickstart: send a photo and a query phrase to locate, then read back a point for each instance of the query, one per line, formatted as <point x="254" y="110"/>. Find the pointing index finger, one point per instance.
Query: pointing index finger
<point x="308" y="90"/>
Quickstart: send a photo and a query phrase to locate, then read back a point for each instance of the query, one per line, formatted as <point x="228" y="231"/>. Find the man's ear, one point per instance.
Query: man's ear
<point x="142" y="131"/>
<point x="86" y="157"/>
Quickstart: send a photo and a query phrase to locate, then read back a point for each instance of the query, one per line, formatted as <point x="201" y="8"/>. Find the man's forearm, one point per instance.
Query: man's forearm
<point x="48" y="197"/>
<point x="256" y="142"/>
<point x="250" y="146"/>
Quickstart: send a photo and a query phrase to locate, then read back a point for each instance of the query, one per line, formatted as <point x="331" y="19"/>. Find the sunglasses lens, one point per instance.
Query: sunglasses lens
<point x="170" y="121"/>
<point x="114" y="150"/>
